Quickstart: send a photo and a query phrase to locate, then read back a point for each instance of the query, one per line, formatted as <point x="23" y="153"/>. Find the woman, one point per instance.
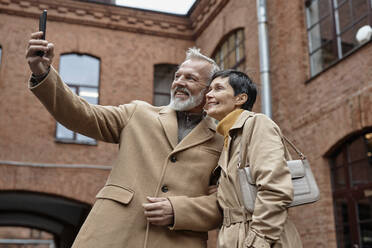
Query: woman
<point x="230" y="98"/>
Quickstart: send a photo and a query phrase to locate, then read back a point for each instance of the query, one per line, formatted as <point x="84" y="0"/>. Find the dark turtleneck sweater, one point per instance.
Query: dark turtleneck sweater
<point x="186" y="122"/>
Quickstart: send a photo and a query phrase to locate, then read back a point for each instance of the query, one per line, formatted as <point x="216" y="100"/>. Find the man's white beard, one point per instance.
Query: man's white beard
<point x="188" y="104"/>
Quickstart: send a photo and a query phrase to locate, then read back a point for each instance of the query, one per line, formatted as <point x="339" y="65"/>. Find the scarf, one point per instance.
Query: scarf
<point x="226" y="123"/>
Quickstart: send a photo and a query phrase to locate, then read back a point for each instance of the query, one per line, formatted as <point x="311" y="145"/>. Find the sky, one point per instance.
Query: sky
<point x="180" y="7"/>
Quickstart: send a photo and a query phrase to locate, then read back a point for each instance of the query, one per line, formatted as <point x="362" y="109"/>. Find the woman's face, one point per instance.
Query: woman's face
<point x="220" y="99"/>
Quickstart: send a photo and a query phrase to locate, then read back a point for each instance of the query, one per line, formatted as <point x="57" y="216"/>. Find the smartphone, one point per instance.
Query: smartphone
<point x="42" y="27"/>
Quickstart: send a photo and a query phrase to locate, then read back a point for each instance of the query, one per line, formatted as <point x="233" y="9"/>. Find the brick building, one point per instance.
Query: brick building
<point x="321" y="81"/>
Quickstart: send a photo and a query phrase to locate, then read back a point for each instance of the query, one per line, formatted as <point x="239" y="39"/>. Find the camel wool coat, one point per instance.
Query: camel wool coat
<point x="268" y="225"/>
<point x="150" y="162"/>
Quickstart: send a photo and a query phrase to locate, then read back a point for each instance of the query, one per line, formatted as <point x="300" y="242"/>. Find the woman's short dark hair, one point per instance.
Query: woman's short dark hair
<point x="241" y="83"/>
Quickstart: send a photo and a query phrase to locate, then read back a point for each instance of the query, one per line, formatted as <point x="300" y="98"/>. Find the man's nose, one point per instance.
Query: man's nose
<point x="179" y="81"/>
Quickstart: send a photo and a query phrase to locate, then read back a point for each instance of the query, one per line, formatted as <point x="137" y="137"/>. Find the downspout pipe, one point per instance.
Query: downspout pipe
<point x="263" y="42"/>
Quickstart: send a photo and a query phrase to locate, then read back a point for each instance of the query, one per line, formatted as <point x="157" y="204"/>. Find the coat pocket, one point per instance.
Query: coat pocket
<point x="116" y="193"/>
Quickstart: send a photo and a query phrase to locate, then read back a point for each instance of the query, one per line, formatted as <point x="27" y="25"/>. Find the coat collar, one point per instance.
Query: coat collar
<point x="239" y="123"/>
<point x="202" y="132"/>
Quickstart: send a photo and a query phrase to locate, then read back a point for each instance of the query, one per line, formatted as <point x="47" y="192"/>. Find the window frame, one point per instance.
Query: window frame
<point x="351" y="192"/>
<point x="156" y="93"/>
<point x="219" y="48"/>
<point x="74" y="140"/>
<point x="336" y="37"/>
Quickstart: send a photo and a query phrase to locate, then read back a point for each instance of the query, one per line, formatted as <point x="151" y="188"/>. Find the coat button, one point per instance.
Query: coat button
<point x="173" y="159"/>
<point x="164" y="189"/>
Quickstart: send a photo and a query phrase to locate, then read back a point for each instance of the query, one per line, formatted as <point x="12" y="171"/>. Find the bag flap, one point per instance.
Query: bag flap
<point x="116" y="193"/>
<point x="296" y="167"/>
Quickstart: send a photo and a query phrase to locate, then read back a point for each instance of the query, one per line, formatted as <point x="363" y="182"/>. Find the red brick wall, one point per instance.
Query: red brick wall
<point x="27" y="130"/>
<point x="316" y="114"/>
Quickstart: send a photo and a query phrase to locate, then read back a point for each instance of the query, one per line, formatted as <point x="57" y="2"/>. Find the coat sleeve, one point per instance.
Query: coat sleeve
<point x="266" y="155"/>
<point x="99" y="122"/>
<point x="199" y="214"/>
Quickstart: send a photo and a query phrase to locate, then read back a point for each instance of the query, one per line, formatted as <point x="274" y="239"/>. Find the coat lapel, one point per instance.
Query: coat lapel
<point x="204" y="131"/>
<point x="239" y="123"/>
<point x="168" y="120"/>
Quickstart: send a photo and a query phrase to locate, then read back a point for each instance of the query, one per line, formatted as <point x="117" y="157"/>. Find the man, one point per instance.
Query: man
<point x="168" y="153"/>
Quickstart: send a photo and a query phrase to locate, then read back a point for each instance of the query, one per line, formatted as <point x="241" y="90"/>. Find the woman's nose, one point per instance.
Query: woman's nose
<point x="209" y="94"/>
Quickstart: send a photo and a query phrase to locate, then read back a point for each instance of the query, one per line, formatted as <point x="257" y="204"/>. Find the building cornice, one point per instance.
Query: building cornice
<point x="119" y="18"/>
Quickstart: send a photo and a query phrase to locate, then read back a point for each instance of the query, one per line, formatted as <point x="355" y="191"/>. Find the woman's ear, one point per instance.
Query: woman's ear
<point x="241" y="99"/>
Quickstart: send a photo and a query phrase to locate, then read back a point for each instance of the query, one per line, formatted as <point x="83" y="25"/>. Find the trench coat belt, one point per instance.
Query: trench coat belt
<point x="235" y="215"/>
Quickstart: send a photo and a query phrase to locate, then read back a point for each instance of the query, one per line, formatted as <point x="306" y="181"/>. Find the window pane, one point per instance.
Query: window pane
<point x="320" y="34"/>
<point x="348" y="40"/>
<point x="368" y="140"/>
<point x="343" y="236"/>
<point x="357" y="150"/>
<point x="366" y="234"/>
<point x="64" y="133"/>
<point x="360" y="8"/>
<point x="241" y="51"/>
<point x="322" y="58"/>
<point x="232" y="59"/>
<point x="361" y="172"/>
<point x="342" y="219"/>
<point x="84" y="139"/>
<point x="340" y="159"/>
<point x="89" y="94"/>
<point x="225" y="51"/>
<point x="339" y="178"/>
<point x="79" y="69"/>
<point x="365" y="208"/>
<point x="161" y="100"/>
<point x="317" y="10"/>
<point x="240" y="37"/>
<point x="231" y="42"/>
<point x="231" y="51"/>
<point x="345" y="17"/>
<point x="163" y="77"/>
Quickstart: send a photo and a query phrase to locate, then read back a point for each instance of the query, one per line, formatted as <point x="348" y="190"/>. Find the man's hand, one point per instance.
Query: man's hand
<point x="39" y="65"/>
<point x="159" y="211"/>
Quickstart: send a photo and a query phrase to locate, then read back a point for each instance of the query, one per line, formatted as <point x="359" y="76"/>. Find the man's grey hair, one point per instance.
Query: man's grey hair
<point x="194" y="53"/>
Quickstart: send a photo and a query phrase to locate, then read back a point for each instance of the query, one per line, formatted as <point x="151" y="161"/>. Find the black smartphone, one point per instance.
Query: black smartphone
<point x="42" y="27"/>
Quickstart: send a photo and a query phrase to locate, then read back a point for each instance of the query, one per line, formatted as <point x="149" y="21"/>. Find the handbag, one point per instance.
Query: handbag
<point x="304" y="185"/>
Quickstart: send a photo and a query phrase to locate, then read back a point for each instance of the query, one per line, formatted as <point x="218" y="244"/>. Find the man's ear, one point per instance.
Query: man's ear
<point x="241" y="99"/>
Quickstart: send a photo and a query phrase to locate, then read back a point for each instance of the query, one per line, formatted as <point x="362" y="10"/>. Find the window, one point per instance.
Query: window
<point x="230" y="53"/>
<point x="81" y="74"/>
<point x="351" y="172"/>
<point x="331" y="28"/>
<point x="163" y="78"/>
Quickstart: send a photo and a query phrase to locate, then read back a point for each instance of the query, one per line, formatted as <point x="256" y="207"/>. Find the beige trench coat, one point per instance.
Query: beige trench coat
<point x="149" y="158"/>
<point x="268" y="225"/>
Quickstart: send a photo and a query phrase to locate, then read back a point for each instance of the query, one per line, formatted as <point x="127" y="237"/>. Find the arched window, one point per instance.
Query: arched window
<point x="163" y="78"/>
<point x="81" y="73"/>
<point x="230" y="53"/>
<point x="351" y="173"/>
